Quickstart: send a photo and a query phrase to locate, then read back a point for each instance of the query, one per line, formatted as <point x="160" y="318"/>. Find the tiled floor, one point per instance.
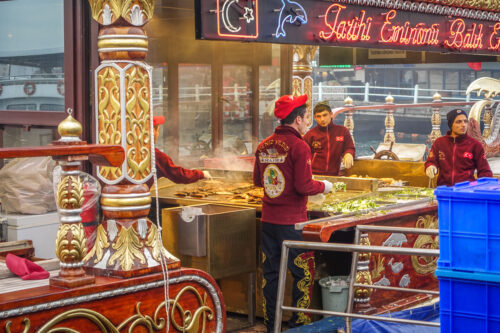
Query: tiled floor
<point x="236" y="323"/>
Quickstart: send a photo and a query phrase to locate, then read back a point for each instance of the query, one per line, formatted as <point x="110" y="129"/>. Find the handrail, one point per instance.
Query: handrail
<point x="287" y="244"/>
<point x="342" y="109"/>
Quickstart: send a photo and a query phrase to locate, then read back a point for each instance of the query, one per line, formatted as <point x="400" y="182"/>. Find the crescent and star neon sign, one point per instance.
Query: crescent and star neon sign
<point x="232" y="16"/>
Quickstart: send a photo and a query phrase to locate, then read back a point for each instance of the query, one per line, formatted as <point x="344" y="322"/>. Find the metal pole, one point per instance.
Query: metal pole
<point x="344" y="248"/>
<point x="281" y="287"/>
<point x="359" y="248"/>
<point x="408" y="290"/>
<point x="251" y="298"/>
<point x="352" y="281"/>
<point x="355" y="315"/>
<point x="403" y="230"/>
<point x="367" y="92"/>
<point x="415" y="95"/>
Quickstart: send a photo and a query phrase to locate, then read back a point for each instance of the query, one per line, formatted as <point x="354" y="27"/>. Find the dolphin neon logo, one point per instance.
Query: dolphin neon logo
<point x="290" y="12"/>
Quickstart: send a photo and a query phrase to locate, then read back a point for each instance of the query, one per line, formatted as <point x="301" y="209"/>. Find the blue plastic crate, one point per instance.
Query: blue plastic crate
<point x="469" y="301"/>
<point x="469" y="226"/>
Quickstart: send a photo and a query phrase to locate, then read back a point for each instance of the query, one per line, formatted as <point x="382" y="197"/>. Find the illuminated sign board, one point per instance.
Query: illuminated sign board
<point x="405" y="25"/>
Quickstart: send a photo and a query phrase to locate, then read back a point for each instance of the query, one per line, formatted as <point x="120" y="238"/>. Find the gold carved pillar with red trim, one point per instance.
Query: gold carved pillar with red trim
<point x="127" y="243"/>
<point x="71" y="244"/>
<point x="302" y="82"/>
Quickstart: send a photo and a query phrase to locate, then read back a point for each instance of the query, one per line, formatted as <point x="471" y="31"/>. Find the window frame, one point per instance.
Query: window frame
<point x="75" y="75"/>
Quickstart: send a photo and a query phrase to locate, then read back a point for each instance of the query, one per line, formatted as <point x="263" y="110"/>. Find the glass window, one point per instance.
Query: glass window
<point x="269" y="86"/>
<point x="160" y="107"/>
<point x="25" y="107"/>
<point x="484" y="74"/>
<point x="20" y="137"/>
<point x="466" y="77"/>
<point x="436" y="80"/>
<point x="51" y="107"/>
<point x="195" y="110"/>
<point x="236" y="109"/>
<point x="32" y="54"/>
<point x="451" y="80"/>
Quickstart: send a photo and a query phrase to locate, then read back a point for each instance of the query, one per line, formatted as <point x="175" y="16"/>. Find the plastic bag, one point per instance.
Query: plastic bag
<point x="90" y="207"/>
<point x="26" y="186"/>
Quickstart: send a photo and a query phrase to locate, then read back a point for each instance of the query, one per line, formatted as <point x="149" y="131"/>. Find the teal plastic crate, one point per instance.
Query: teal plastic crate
<point x="469" y="226"/>
<point x="469" y="301"/>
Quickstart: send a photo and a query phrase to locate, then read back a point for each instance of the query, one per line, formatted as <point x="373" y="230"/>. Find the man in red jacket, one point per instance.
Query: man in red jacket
<point x="456" y="155"/>
<point x="165" y="167"/>
<point x="329" y="143"/>
<point x="283" y="168"/>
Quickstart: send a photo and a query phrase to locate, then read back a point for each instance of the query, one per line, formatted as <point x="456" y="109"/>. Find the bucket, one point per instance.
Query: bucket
<point x="334" y="293"/>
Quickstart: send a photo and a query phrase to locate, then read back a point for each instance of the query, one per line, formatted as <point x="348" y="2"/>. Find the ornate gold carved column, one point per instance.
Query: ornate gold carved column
<point x="127" y="243"/>
<point x="71" y="244"/>
<point x="487" y="118"/>
<point x="389" y="122"/>
<point x="302" y="82"/>
<point x="349" y="121"/>
<point x="362" y="295"/>
<point x="436" y="118"/>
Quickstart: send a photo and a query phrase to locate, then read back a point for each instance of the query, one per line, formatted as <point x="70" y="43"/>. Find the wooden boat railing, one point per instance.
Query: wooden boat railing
<point x="389" y="107"/>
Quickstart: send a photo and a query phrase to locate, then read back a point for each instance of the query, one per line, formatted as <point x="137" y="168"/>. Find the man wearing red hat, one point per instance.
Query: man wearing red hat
<point x="165" y="167"/>
<point x="283" y="168"/>
<point x="456" y="155"/>
<point x="329" y="143"/>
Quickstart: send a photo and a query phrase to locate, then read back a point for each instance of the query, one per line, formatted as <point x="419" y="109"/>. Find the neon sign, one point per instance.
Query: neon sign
<point x="406" y="34"/>
<point x="494" y="38"/>
<point x="460" y="38"/>
<point x="290" y="12"/>
<point x="345" y="23"/>
<point x="232" y="15"/>
<point x="355" y="29"/>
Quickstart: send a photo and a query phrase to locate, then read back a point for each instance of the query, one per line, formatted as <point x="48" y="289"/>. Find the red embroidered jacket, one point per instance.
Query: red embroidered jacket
<point x="328" y="146"/>
<point x="165" y="167"/>
<point x="283" y="168"/>
<point x="457" y="159"/>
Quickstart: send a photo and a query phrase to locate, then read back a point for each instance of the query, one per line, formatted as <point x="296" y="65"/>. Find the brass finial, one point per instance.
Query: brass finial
<point x="389" y="99"/>
<point x="348" y="101"/>
<point x="436" y="97"/>
<point x="69" y="129"/>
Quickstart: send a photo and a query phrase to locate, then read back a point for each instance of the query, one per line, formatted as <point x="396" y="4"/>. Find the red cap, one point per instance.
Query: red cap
<point x="287" y="103"/>
<point x="25" y="269"/>
<point x="158" y="120"/>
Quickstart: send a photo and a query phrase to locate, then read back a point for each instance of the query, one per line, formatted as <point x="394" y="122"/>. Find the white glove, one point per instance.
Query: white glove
<point x="328" y="186"/>
<point x="348" y="160"/>
<point x="207" y="175"/>
<point x="431" y="171"/>
<point x="317" y="199"/>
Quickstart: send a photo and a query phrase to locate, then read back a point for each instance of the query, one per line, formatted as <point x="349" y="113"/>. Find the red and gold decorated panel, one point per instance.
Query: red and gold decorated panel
<point x="195" y="305"/>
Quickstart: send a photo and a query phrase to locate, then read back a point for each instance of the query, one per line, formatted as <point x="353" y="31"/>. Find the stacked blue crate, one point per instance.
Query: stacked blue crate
<point x="469" y="262"/>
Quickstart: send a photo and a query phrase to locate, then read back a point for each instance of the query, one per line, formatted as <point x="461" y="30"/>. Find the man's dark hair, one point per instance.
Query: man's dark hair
<point x="322" y="106"/>
<point x="298" y="111"/>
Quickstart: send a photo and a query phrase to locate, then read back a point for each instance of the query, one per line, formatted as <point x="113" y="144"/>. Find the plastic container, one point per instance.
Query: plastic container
<point x="469" y="301"/>
<point x="334" y="293"/>
<point x="469" y="226"/>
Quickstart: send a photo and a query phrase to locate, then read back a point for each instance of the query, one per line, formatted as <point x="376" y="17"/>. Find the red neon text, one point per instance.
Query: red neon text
<point x="405" y="34"/>
<point x="352" y="30"/>
<point x="470" y="40"/>
<point x="494" y="35"/>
